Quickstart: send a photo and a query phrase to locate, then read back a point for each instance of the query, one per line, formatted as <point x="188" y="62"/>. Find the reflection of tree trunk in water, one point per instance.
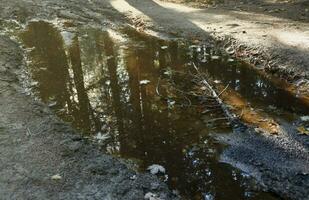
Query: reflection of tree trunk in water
<point x="173" y="49"/>
<point x="136" y="113"/>
<point x="99" y="51"/>
<point x="115" y="88"/>
<point x="162" y="59"/>
<point x="49" y="53"/>
<point x="234" y="77"/>
<point x="84" y="111"/>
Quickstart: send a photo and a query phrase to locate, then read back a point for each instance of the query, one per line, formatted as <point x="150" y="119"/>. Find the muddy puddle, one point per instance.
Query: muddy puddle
<point x="135" y="96"/>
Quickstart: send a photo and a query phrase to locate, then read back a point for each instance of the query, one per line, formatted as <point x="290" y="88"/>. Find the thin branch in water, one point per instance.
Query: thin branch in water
<point x="211" y="110"/>
<point x="216" y="119"/>
<point x="224" y="89"/>
<point x="226" y="111"/>
<point x="157" y="87"/>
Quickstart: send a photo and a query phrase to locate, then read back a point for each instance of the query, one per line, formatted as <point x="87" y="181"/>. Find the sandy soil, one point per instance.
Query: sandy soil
<point x="35" y="145"/>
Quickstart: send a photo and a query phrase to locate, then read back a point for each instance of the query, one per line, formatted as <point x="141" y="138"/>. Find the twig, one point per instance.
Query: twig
<point x="157" y="87"/>
<point x="216" y="119"/>
<point x="224" y="89"/>
<point x="212" y="110"/>
<point x="226" y="111"/>
<point x="28" y="132"/>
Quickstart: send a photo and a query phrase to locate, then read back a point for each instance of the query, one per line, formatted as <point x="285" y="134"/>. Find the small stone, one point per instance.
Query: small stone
<point x="56" y="177"/>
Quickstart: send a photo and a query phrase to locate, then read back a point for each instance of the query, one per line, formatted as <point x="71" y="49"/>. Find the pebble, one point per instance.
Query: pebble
<point x="56" y="177"/>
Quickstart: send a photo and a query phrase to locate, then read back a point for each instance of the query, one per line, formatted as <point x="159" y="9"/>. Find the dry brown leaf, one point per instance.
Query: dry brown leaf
<point x="302" y="130"/>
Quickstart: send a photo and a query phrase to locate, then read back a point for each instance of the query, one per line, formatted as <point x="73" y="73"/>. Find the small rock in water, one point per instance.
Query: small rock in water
<point x="56" y="177"/>
<point x="155" y="169"/>
<point x="164" y="47"/>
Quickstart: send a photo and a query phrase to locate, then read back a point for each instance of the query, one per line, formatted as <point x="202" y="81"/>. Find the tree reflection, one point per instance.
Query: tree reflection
<point x="83" y="118"/>
<point x="98" y="84"/>
<point x="49" y="64"/>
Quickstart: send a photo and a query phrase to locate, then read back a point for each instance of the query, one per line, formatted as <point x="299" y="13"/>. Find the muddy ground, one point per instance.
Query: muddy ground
<point x="35" y="145"/>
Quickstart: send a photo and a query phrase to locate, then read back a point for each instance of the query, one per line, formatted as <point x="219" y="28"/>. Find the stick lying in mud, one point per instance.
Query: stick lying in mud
<point x="231" y="117"/>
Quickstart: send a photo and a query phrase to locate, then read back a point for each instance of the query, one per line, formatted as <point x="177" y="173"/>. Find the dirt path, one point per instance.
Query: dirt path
<point x="274" y="43"/>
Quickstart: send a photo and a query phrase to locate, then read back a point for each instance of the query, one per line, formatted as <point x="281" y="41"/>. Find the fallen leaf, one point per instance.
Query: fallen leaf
<point x="144" y="82"/>
<point x="155" y="169"/>
<point x="303" y="131"/>
<point x="215" y="57"/>
<point x="101" y="137"/>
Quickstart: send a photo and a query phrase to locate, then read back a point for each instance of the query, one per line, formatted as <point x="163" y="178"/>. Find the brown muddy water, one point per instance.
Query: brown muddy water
<point x="132" y="94"/>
